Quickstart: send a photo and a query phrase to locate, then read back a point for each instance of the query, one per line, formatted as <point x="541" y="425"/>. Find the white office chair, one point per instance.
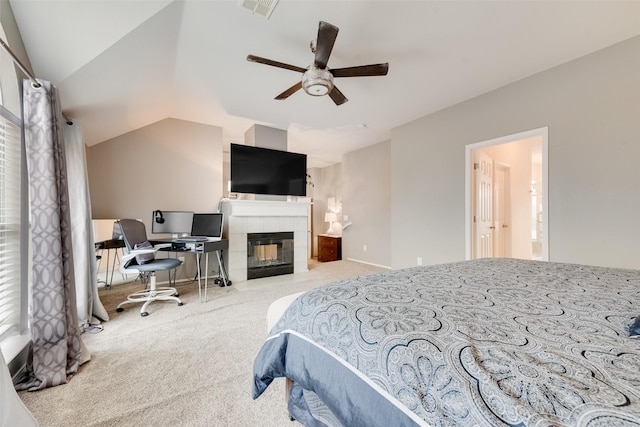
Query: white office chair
<point x="133" y="262"/>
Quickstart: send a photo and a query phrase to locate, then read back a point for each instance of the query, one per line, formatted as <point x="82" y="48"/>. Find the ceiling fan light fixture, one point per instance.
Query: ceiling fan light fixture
<point x="317" y="82"/>
<point x="317" y="79"/>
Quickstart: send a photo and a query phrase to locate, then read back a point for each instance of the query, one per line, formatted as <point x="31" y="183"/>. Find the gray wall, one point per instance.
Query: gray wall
<point x="266" y="137"/>
<point x="169" y="165"/>
<point x="367" y="203"/>
<point x="592" y="108"/>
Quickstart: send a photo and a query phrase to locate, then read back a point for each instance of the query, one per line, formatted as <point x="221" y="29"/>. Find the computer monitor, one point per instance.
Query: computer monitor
<point x="175" y="223"/>
<point x="117" y="231"/>
<point x="207" y="224"/>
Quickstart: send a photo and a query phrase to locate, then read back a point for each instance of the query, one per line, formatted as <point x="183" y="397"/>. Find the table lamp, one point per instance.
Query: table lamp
<point x="330" y="217"/>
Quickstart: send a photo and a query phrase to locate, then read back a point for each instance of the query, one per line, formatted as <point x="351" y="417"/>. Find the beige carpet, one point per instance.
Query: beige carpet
<point x="181" y="366"/>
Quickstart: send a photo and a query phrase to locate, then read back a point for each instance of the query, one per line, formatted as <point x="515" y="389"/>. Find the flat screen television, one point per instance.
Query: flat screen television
<point x="258" y="170"/>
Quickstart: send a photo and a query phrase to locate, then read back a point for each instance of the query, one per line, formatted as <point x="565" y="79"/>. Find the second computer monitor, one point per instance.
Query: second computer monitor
<point x="207" y="224"/>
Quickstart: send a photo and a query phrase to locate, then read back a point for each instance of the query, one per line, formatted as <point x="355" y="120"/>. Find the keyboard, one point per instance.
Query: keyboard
<point x="192" y="239"/>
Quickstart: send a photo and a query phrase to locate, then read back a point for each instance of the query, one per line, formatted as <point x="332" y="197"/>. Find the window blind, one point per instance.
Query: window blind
<point x="10" y="202"/>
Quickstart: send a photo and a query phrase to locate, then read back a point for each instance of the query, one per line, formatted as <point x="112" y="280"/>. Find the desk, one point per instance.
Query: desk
<point x="108" y="245"/>
<point x="200" y="248"/>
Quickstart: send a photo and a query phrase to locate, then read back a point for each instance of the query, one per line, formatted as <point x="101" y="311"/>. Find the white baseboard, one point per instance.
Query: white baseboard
<point x="369" y="263"/>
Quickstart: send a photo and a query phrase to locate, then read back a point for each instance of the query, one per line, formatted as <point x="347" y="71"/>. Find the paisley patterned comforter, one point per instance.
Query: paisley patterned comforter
<point x="486" y="342"/>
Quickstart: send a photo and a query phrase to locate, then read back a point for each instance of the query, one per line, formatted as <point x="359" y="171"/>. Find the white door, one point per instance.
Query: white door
<point x="501" y="212"/>
<point x="483" y="206"/>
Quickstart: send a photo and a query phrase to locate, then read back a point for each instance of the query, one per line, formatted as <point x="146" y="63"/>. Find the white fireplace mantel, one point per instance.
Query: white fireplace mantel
<point x="264" y="216"/>
<point x="264" y="208"/>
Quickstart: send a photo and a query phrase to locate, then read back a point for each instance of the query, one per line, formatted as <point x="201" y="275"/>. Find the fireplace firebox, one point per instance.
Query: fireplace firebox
<point x="269" y="254"/>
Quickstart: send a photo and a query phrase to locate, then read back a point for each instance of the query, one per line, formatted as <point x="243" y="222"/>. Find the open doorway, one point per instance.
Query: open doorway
<point x="506" y="197"/>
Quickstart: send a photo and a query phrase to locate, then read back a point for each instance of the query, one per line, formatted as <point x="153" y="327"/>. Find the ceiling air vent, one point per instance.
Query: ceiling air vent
<point x="260" y="7"/>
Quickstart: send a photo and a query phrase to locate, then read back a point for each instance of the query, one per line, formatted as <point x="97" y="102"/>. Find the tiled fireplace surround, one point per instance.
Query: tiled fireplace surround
<point x="264" y="216"/>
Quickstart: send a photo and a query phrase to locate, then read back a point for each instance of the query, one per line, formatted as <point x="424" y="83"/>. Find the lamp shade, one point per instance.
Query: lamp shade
<point x="330" y="217"/>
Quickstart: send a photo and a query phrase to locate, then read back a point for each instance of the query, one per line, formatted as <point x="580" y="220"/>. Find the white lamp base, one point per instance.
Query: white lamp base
<point x="335" y="229"/>
<point x="331" y="229"/>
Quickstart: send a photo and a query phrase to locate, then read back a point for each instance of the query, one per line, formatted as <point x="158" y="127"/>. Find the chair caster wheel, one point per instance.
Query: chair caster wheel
<point x="218" y="282"/>
<point x="119" y="309"/>
<point x="144" y="314"/>
<point x="180" y="303"/>
<point x="229" y="283"/>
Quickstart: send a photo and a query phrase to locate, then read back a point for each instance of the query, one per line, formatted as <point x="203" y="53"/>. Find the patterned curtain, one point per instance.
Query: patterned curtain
<point x="89" y="305"/>
<point x="56" y="343"/>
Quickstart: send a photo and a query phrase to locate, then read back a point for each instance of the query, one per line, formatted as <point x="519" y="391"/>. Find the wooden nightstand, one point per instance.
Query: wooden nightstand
<point x="329" y="248"/>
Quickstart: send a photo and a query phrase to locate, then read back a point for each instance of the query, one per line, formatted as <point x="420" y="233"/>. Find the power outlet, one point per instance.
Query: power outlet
<point x="419" y="260"/>
<point x="364" y="248"/>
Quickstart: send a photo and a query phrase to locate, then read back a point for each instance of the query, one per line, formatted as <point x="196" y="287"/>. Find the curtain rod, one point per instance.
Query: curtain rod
<point x="18" y="63"/>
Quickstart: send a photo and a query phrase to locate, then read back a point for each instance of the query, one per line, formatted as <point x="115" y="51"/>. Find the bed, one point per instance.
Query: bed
<point x="486" y="342"/>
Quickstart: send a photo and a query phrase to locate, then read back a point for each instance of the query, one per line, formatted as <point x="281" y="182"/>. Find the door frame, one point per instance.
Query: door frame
<point x="543" y="134"/>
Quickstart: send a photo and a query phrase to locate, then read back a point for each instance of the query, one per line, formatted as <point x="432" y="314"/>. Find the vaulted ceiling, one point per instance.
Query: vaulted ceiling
<point x="122" y="65"/>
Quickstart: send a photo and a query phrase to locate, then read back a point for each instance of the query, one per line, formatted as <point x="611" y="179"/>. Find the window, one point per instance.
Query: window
<point x="14" y="209"/>
<point x="10" y="230"/>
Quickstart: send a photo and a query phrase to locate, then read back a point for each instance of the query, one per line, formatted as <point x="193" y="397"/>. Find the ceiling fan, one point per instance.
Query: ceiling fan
<point x="317" y="79"/>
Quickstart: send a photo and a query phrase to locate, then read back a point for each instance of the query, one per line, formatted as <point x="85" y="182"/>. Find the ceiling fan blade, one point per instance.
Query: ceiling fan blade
<point x="337" y="96"/>
<point x="287" y="93"/>
<point x="362" y="70"/>
<point x="327" y="34"/>
<point x="266" y="61"/>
